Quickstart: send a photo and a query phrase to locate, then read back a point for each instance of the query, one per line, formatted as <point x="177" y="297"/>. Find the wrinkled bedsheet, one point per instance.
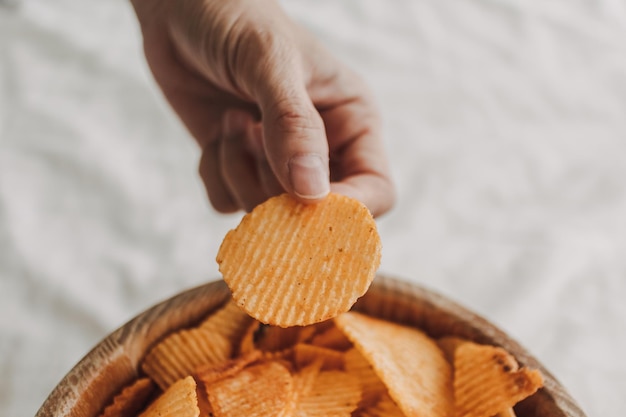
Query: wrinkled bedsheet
<point x="505" y="121"/>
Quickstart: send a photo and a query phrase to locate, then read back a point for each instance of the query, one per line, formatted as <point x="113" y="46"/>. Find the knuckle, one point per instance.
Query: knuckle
<point x="293" y="117"/>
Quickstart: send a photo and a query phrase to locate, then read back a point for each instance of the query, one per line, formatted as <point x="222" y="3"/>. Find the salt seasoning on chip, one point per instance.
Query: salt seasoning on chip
<point x="289" y="263"/>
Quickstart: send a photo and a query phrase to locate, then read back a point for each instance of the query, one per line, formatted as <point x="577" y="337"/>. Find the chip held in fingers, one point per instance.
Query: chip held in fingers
<point x="270" y="350"/>
<point x="289" y="263"/>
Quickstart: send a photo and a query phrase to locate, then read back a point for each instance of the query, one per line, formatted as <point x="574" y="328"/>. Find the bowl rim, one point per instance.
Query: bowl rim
<point x="115" y="361"/>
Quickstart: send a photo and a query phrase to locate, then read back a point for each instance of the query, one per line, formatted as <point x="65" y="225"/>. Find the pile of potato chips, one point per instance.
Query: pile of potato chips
<point x="286" y="344"/>
<point x="353" y="365"/>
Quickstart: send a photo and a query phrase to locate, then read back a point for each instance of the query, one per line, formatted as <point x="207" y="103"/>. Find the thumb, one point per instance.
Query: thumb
<point x="295" y="140"/>
<point x="296" y="146"/>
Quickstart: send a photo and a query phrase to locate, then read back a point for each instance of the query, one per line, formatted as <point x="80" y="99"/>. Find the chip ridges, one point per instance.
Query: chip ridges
<point x="179" y="354"/>
<point x="488" y="380"/>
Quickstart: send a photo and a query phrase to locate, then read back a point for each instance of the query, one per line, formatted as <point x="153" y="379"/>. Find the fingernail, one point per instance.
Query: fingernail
<point x="309" y="176"/>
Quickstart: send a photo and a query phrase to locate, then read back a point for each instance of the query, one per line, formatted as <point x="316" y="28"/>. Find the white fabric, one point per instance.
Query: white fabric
<point x="505" y="121"/>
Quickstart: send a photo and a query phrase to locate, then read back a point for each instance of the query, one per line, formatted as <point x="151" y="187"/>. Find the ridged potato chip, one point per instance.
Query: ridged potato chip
<point x="180" y="353"/>
<point x="289" y="263"/>
<point x="488" y="380"/>
<point x="179" y="400"/>
<point x="412" y="366"/>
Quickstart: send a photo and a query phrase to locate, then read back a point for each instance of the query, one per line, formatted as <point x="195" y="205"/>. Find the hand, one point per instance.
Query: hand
<point x="271" y="109"/>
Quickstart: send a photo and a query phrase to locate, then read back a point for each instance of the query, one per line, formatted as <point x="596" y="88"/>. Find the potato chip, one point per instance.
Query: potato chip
<point x="332" y="394"/>
<point x="411" y="365"/>
<point x="488" y="380"/>
<point x="258" y="391"/>
<point x="289" y="263"/>
<point x="180" y="353"/>
<point x="179" y="400"/>
<point x="131" y="400"/>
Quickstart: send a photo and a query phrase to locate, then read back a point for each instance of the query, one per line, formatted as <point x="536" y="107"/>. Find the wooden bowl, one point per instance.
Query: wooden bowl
<point x="114" y="362"/>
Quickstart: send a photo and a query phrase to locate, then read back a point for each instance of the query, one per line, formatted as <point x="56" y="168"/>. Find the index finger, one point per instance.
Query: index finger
<point x="358" y="159"/>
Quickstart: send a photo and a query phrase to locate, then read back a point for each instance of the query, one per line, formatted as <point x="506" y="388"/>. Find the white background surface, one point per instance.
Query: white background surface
<point x="505" y="122"/>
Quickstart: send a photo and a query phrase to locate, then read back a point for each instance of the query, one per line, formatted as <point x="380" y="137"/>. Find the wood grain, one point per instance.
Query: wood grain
<point x="114" y="362"/>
